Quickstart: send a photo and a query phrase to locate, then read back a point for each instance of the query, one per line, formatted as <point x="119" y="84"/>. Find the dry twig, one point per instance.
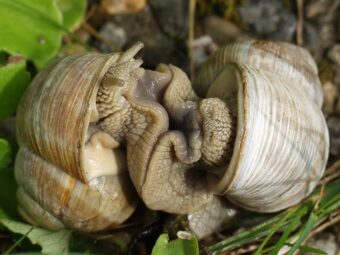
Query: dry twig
<point x="99" y="37"/>
<point x="299" y="24"/>
<point x="333" y="168"/>
<point x="331" y="173"/>
<point x="332" y="220"/>
<point x="191" y="35"/>
<point x="321" y="194"/>
<point x="244" y="250"/>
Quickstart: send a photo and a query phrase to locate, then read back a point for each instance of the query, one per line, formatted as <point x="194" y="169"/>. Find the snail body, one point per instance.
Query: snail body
<point x="254" y="134"/>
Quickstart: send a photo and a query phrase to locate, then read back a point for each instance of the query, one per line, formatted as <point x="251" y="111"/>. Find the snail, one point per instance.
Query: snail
<point x="97" y="132"/>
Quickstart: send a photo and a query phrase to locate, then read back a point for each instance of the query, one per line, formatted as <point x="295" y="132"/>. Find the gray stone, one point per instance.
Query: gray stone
<point x="334" y="133"/>
<point x="269" y="19"/>
<point x="222" y="31"/>
<point x="114" y="34"/>
<point x="158" y="47"/>
<point x="325" y="242"/>
<point x="334" y="54"/>
<point x="172" y="16"/>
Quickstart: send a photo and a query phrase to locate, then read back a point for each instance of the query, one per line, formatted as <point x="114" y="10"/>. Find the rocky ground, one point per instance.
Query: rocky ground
<point x="175" y="32"/>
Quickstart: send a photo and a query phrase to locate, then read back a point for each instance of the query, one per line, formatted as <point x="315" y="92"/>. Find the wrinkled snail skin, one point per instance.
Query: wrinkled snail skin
<point x="96" y="131"/>
<point x="211" y="217"/>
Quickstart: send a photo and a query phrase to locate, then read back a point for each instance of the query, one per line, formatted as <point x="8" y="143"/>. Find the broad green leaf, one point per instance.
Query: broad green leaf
<point x="69" y="253"/>
<point x="51" y="242"/>
<point x="72" y="11"/>
<point x="5" y="153"/>
<point x="2" y="57"/>
<point x="31" y="28"/>
<point x="13" y="81"/>
<point x="175" y="247"/>
<point x="8" y="188"/>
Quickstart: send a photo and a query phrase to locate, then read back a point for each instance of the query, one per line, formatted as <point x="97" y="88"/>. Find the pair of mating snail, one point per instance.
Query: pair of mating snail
<point x="96" y="129"/>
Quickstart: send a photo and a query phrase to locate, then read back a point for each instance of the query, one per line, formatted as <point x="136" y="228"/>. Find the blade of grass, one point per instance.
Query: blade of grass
<point x="18" y="242"/>
<point x="305" y="230"/>
<point x="247" y="236"/>
<point x="306" y="248"/>
<point x="329" y="203"/>
<point x="238" y="240"/>
<point x="329" y="206"/>
<point x="331" y="190"/>
<point x="299" y="214"/>
<point x="274" y="229"/>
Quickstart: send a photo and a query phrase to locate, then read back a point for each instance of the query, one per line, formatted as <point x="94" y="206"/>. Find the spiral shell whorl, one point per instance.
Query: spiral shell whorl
<point x="53" y="120"/>
<point x="294" y="64"/>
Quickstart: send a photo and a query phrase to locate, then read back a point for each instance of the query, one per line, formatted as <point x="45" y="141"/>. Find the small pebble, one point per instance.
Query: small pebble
<point x="334" y="133"/>
<point x="334" y="54"/>
<point x="113" y="33"/>
<point x="184" y="235"/>
<point x="222" y="31"/>
<point x="325" y="242"/>
<point x="203" y="47"/>
<point x="270" y="19"/>
<point x="122" y="6"/>
<point x="330" y="96"/>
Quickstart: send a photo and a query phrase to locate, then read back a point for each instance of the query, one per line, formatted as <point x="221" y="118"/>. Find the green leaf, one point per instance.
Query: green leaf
<point x="306" y="248"/>
<point x="296" y="222"/>
<point x="31" y="29"/>
<point x="246" y="236"/>
<point x="3" y="57"/>
<point x="13" y="81"/>
<point x="175" y="247"/>
<point x="331" y="194"/>
<point x="304" y="233"/>
<point x="40" y="253"/>
<point x="253" y="234"/>
<point x="5" y="153"/>
<point x="299" y="214"/>
<point x="8" y="187"/>
<point x="51" y="242"/>
<point x="72" y="11"/>
<point x="274" y="229"/>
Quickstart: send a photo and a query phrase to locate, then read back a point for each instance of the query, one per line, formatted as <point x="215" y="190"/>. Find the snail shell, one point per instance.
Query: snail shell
<point x="70" y="174"/>
<point x="291" y="63"/>
<point x="282" y="140"/>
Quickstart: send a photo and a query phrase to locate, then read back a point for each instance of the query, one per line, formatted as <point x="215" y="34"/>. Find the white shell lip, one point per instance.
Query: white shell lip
<point x="101" y="157"/>
<point x="88" y="164"/>
<point x="219" y="184"/>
